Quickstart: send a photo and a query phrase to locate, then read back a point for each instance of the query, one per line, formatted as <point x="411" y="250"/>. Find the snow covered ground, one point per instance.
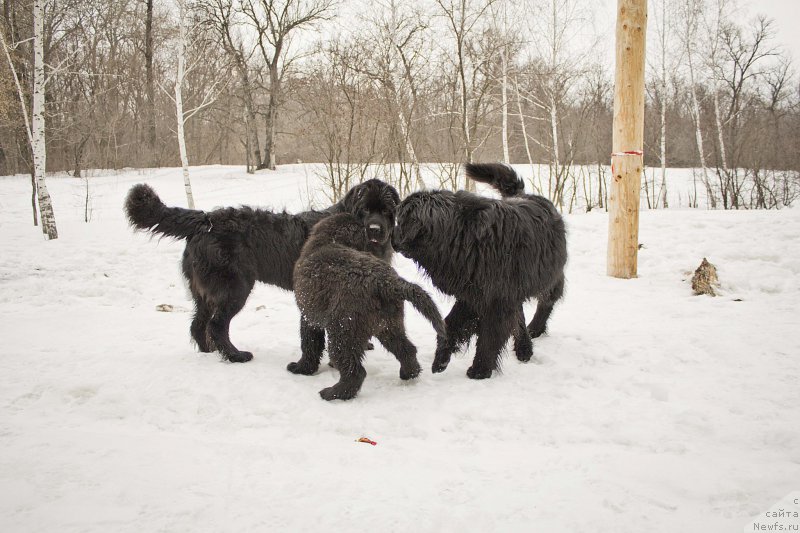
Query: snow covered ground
<point x="651" y="410"/>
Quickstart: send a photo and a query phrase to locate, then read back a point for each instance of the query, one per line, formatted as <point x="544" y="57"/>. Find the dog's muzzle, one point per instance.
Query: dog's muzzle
<point x="375" y="233"/>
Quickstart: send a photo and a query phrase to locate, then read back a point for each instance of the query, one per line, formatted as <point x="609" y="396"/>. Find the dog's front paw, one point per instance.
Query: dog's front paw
<point x="439" y="366"/>
<point x="410" y="371"/>
<point x="524" y="354"/>
<point x="478" y="373"/>
<point x="440" y="362"/>
<point x="297" y="368"/>
<point x="336" y="393"/>
<point x="239" y="357"/>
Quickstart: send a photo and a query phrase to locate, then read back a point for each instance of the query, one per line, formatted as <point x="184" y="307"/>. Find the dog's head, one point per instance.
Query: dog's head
<point x="420" y="217"/>
<point x="341" y="228"/>
<point x="373" y="203"/>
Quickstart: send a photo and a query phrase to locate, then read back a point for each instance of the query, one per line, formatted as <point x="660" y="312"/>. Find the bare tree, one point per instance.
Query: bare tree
<point x="663" y="61"/>
<point x="439" y="82"/>
<point x="559" y="66"/>
<point x="597" y="99"/>
<point x="507" y="51"/>
<point x="38" y="145"/>
<point x="524" y="129"/>
<point x="150" y="110"/>
<point x="343" y="129"/>
<point x="690" y="12"/>
<point x="464" y="18"/>
<point x="393" y="56"/>
<point x="190" y="34"/>
<point x="736" y="60"/>
<point x="180" y="77"/>
<point x="221" y="16"/>
<point x="35" y="129"/>
<point x="275" y="22"/>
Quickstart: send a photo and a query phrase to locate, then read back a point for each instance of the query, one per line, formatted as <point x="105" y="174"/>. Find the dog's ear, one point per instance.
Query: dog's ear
<point x="390" y="196"/>
<point x="352" y="197"/>
<point x="471" y="205"/>
<point x="407" y="228"/>
<point x="475" y="211"/>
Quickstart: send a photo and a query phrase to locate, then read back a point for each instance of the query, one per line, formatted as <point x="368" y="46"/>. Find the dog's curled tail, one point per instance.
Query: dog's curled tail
<point x="501" y="177"/>
<point x="423" y="303"/>
<point x="146" y="211"/>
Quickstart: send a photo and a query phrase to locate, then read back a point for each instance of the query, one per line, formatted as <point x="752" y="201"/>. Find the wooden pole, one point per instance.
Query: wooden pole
<point x="627" y="140"/>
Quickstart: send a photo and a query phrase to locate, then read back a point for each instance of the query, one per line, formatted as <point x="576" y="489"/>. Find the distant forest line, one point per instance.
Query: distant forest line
<point x="354" y="84"/>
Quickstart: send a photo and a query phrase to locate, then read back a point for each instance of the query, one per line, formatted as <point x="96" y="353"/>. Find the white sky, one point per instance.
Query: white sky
<point x="785" y="13"/>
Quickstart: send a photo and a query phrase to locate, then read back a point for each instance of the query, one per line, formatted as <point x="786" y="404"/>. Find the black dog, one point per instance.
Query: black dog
<point x="229" y="249"/>
<point x="492" y="255"/>
<point x="355" y="296"/>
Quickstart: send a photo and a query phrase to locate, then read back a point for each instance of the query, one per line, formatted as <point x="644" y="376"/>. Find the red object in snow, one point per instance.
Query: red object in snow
<point x="365" y="439"/>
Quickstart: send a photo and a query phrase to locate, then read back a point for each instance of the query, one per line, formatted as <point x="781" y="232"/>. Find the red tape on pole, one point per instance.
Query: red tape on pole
<point x="618" y="154"/>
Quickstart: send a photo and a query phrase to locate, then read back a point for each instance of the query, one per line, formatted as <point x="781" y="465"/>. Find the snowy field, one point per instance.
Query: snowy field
<point x="651" y="409"/>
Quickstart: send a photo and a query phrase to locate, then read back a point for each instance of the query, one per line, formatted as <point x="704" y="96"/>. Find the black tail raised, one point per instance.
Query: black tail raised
<point x="146" y="211"/>
<point x="501" y="177"/>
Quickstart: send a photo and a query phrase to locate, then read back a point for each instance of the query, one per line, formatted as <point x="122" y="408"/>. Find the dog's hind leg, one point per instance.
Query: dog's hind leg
<point x="347" y="351"/>
<point x="219" y="326"/>
<point x="312" y="343"/>
<point x="462" y="324"/>
<point x="394" y="339"/>
<point x="202" y="311"/>
<point x="199" y="327"/>
<point x="544" y="307"/>
<point x="494" y="330"/>
<point x="523" y="345"/>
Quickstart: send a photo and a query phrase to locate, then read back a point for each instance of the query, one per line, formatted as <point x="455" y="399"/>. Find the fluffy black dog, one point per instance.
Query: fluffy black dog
<point x="229" y="249"/>
<point x="492" y="255"/>
<point x="355" y="296"/>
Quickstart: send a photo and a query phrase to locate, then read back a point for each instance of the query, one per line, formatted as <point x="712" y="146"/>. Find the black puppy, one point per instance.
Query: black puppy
<point x="492" y="255"/>
<point x="355" y="296"/>
<point x="229" y="249"/>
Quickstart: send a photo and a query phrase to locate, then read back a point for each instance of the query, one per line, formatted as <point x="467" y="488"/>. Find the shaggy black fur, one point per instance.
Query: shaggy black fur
<point x="229" y="249"/>
<point x="355" y="296"/>
<point x="492" y="255"/>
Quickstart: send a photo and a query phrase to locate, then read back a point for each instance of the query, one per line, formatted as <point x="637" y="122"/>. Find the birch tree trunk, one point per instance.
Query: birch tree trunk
<point x="395" y="84"/>
<point x="556" y="170"/>
<point x="552" y="89"/>
<point x="663" y="155"/>
<point x="504" y="52"/>
<point x="150" y="85"/>
<point x="404" y="132"/>
<point x="469" y="185"/>
<point x="504" y="105"/>
<point x="271" y="128"/>
<point x="179" y="101"/>
<point x="462" y="76"/>
<point x="524" y="132"/>
<point x="251" y="129"/>
<point x="38" y="146"/>
<point x="721" y="140"/>
<point x="698" y="133"/>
